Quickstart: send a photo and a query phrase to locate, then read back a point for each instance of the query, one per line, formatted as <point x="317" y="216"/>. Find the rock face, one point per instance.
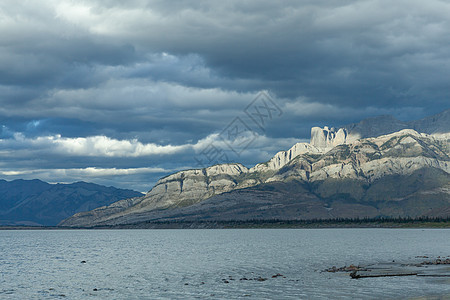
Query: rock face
<point x="372" y="127"/>
<point x="177" y="190"/>
<point x="284" y="157"/>
<point x="334" y="176"/>
<point x="369" y="159"/>
<point x="187" y="187"/>
<point x="328" y="138"/>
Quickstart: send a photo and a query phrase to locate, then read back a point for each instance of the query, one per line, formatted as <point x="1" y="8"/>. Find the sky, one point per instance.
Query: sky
<point x="122" y="93"/>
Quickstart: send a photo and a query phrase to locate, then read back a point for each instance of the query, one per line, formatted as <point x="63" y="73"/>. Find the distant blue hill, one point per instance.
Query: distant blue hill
<point x="34" y="202"/>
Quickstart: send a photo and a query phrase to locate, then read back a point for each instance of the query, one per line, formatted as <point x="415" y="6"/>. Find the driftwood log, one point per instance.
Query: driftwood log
<point x="354" y="275"/>
<point x="439" y="267"/>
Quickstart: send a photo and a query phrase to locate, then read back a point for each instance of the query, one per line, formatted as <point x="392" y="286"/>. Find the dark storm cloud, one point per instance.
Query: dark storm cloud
<point x="154" y="74"/>
<point x="351" y="54"/>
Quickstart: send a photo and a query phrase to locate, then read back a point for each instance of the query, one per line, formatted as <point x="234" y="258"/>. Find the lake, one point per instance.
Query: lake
<point x="199" y="264"/>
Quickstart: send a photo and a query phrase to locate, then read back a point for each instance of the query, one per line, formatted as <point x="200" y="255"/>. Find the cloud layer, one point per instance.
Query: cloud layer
<point x="143" y="85"/>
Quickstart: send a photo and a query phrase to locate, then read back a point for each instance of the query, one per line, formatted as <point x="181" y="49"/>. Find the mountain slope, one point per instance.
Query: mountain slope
<point x="34" y="202"/>
<point x="350" y="179"/>
<point x="300" y="200"/>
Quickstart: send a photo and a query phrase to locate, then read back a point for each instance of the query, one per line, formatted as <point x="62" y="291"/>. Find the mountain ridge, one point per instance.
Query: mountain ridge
<point x="403" y="152"/>
<point x="376" y="126"/>
<point x="35" y="202"/>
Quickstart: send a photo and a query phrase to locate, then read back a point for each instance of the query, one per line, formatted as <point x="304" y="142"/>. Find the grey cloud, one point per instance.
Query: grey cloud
<point x="176" y="73"/>
<point x="295" y="50"/>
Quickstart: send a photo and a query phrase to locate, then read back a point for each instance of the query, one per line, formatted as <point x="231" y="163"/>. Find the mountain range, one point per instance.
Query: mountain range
<point x="379" y="167"/>
<point x="34" y="202"/>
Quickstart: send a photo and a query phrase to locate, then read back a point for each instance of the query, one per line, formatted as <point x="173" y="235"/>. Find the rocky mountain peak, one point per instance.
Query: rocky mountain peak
<point x="362" y="153"/>
<point x="328" y="137"/>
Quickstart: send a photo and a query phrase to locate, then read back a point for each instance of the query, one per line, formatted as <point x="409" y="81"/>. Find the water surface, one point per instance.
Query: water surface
<point x="190" y="264"/>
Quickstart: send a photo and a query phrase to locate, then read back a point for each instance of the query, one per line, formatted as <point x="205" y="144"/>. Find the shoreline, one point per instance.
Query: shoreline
<point x="259" y="224"/>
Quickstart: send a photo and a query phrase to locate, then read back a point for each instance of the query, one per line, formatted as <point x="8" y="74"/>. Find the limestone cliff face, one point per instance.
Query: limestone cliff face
<point x="180" y="189"/>
<point x="328" y="137"/>
<point x="191" y="186"/>
<point x="369" y="159"/>
<point x="339" y="154"/>
<point x="188" y="187"/>
<point x="284" y="157"/>
<point x="366" y="160"/>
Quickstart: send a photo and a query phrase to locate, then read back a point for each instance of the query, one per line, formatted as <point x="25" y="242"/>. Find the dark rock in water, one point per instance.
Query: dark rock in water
<point x="350" y="268"/>
<point x="243" y="278"/>
<point x="437" y="261"/>
<point x="186" y="284"/>
<point x="431" y="268"/>
<point x="95" y="290"/>
<point x="83" y="261"/>
<point x="226" y="281"/>
<point x="354" y="275"/>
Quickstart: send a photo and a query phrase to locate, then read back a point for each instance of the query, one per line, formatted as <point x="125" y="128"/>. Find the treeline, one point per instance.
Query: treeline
<point x="334" y="221"/>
